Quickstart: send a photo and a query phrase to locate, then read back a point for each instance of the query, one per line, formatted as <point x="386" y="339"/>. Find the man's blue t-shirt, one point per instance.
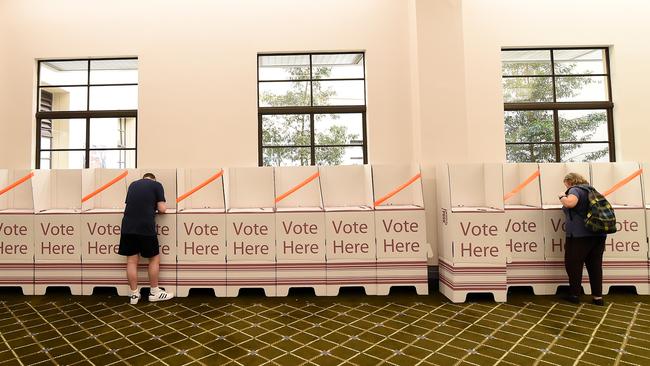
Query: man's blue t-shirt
<point x="141" y="202"/>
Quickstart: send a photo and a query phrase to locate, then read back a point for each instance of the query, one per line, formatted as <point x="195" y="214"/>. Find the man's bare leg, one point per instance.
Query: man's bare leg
<point x="132" y="271"/>
<point x="154" y="270"/>
<point x="132" y="277"/>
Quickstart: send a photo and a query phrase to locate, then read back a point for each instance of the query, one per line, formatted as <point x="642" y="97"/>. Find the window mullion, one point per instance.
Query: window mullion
<point x="312" y="138"/>
<point x="311" y="82"/>
<point x="556" y="132"/>
<point x="553" y="76"/>
<point x="87" y="152"/>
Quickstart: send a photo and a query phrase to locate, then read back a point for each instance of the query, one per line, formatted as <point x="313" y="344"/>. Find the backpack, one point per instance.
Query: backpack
<point x="600" y="214"/>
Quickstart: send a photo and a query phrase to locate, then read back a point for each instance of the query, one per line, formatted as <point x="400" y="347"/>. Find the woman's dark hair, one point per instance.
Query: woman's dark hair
<point x="149" y="175"/>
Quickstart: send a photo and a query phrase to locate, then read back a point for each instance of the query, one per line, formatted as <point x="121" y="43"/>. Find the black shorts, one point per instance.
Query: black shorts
<point x="132" y="244"/>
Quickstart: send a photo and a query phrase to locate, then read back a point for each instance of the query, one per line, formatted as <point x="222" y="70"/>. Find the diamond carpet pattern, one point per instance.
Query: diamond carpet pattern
<point x="400" y="329"/>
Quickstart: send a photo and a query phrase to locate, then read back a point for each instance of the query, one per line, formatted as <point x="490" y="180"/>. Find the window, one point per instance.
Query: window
<point x="312" y="109"/>
<point x="557" y="105"/>
<point x="87" y="116"/>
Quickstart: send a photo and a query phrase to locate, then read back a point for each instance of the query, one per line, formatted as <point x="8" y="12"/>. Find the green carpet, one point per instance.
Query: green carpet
<point x="400" y="329"/>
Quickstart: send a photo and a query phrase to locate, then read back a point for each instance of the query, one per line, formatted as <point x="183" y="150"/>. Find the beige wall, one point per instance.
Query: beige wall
<point x="197" y="102"/>
<point x="433" y="68"/>
<point x="622" y="25"/>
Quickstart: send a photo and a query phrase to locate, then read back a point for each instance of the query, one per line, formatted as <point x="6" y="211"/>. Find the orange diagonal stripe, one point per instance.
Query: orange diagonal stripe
<point x="16" y="183"/>
<point x="523" y="185"/>
<point x="203" y="184"/>
<point x="297" y="187"/>
<point x="105" y="186"/>
<point x="623" y="182"/>
<point x="398" y="189"/>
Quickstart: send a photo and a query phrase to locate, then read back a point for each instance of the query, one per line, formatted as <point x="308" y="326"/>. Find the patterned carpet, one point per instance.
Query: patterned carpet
<point x="400" y="329"/>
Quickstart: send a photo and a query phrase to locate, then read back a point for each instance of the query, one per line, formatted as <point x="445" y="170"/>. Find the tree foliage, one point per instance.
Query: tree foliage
<point x="536" y="126"/>
<point x="295" y="129"/>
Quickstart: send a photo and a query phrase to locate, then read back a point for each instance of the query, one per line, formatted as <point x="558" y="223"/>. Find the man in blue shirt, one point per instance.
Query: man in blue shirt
<point x="138" y="235"/>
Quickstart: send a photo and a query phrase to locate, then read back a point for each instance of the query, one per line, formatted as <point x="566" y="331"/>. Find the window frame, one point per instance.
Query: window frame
<point x="86" y="115"/>
<point x="311" y="110"/>
<point x="556" y="106"/>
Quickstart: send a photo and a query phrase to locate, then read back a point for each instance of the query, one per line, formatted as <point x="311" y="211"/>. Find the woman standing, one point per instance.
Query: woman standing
<point x="582" y="246"/>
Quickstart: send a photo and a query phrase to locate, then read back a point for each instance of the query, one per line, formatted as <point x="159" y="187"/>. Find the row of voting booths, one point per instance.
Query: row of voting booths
<point x="502" y="225"/>
<point x="225" y="229"/>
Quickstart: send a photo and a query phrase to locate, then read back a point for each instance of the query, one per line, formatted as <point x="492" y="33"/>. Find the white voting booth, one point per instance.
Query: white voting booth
<point x="552" y="186"/>
<point x="57" y="222"/>
<point x="165" y="230"/>
<point x="400" y="227"/>
<point x="351" y="252"/>
<point x="17" y="230"/>
<point x="201" y="222"/>
<point x="300" y="230"/>
<point x="472" y="250"/>
<point x="250" y="230"/>
<point x="625" y="262"/>
<point x="645" y="180"/>
<point x="523" y="230"/>
<point x="103" y="196"/>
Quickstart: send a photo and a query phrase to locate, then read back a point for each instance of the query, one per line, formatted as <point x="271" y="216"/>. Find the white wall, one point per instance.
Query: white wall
<point x="197" y="65"/>
<point x="433" y="68"/>
<point x="623" y="25"/>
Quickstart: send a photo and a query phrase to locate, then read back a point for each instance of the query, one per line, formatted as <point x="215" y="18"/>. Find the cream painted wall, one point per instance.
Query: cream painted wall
<point x="197" y="102"/>
<point x="622" y="25"/>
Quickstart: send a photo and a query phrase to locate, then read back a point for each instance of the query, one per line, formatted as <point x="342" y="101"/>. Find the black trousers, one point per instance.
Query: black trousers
<point x="586" y="251"/>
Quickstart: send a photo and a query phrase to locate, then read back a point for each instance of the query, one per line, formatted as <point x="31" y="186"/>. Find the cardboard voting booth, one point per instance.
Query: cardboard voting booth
<point x="250" y="230"/>
<point x="165" y="229"/>
<point x="472" y="250"/>
<point x="400" y="227"/>
<point x="201" y="220"/>
<point x="351" y="250"/>
<point x="102" y="204"/>
<point x="645" y="181"/>
<point x="17" y="230"/>
<point x="626" y="252"/>
<point x="552" y="186"/>
<point x="300" y="230"/>
<point x="57" y="222"/>
<point x="524" y="226"/>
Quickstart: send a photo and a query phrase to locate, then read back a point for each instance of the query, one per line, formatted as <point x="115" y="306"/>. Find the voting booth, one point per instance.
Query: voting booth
<point x="201" y="220"/>
<point x="57" y="222"/>
<point x="524" y="226"/>
<point x="165" y="230"/>
<point x="626" y="251"/>
<point x="103" y="196"/>
<point x="250" y="230"/>
<point x="645" y="181"/>
<point x="351" y="252"/>
<point x="400" y="227"/>
<point x="17" y="230"/>
<point x="472" y="250"/>
<point x="299" y="230"/>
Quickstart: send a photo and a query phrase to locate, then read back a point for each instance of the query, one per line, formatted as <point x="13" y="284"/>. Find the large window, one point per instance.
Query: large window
<point x="312" y="109"/>
<point x="87" y="113"/>
<point x="557" y="105"/>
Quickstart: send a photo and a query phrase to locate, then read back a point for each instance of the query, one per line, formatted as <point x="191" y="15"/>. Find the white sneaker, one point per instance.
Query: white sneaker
<point x="134" y="298"/>
<point x="161" y="296"/>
